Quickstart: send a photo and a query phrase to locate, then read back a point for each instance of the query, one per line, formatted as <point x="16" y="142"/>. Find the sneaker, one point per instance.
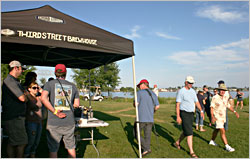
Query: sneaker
<point x="230" y="149"/>
<point x="212" y="143"/>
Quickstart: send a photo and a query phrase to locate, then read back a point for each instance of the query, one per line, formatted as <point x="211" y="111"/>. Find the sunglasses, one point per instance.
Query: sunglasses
<point x="190" y="83"/>
<point x="35" y="88"/>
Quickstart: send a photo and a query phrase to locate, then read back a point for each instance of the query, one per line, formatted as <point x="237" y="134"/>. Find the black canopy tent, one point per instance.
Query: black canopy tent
<point x="46" y="37"/>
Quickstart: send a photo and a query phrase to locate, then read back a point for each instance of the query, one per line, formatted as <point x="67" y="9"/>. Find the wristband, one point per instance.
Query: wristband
<point x="55" y="112"/>
<point x="202" y="111"/>
<point x="234" y="111"/>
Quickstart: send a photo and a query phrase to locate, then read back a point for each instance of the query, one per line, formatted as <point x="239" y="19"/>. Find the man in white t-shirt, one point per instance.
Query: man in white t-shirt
<point x="155" y="90"/>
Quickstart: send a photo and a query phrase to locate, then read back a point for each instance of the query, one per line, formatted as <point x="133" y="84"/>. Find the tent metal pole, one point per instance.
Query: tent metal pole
<point x="136" y="106"/>
<point x="89" y="90"/>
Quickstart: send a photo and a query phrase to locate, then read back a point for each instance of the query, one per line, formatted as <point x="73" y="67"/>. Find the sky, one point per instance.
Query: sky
<point x="172" y="39"/>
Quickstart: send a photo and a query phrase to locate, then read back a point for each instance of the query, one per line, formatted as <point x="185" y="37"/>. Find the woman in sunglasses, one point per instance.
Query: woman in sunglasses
<point x="33" y="120"/>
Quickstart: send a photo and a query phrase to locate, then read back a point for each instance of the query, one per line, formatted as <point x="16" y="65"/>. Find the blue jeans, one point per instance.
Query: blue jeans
<point x="34" y="132"/>
<point x="199" y="119"/>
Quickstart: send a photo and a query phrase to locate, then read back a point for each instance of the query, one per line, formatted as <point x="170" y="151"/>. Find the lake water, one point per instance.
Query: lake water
<point x="161" y="94"/>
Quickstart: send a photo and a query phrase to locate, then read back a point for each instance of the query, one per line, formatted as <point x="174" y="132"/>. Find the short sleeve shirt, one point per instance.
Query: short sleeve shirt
<point x="12" y="107"/>
<point x="146" y="105"/>
<point x="207" y="95"/>
<point x="187" y="99"/>
<point x="219" y="105"/>
<point x="200" y="99"/>
<point x="58" y="101"/>
<point x="156" y="91"/>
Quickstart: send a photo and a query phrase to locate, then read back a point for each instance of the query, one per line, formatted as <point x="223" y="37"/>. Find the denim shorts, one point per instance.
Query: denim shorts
<point x="56" y="133"/>
<point x="15" y="130"/>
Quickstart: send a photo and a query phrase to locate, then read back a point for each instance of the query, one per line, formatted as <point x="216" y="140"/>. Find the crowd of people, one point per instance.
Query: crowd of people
<point x="188" y="103"/>
<point x="23" y="111"/>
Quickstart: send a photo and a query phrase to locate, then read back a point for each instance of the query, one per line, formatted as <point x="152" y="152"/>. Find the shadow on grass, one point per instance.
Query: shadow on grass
<point x="246" y="111"/>
<point x="161" y="131"/>
<point x="157" y="130"/>
<point x="176" y="125"/>
<point x="104" y="116"/>
<point x="85" y="133"/>
<point x="43" y="151"/>
<point x="129" y="132"/>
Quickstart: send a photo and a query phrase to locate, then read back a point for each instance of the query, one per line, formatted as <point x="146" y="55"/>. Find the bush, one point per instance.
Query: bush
<point x="120" y="99"/>
<point x="169" y="100"/>
<point x="162" y="100"/>
<point x="246" y="101"/>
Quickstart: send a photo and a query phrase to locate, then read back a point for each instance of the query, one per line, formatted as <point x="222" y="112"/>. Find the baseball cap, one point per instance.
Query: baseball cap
<point x="142" y="81"/>
<point x="190" y="79"/>
<point x="221" y="82"/>
<point x="15" y="63"/>
<point x="60" y="68"/>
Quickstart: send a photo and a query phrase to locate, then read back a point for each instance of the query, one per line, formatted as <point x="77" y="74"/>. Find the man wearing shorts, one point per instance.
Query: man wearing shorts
<point x="219" y="105"/>
<point x="227" y="97"/>
<point x="185" y="105"/>
<point x="13" y="111"/>
<point x="63" y="97"/>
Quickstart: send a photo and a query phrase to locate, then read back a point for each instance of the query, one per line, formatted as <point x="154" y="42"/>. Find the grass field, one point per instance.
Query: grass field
<point x="117" y="141"/>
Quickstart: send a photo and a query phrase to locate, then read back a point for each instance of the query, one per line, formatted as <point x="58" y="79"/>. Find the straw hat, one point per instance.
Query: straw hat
<point x="200" y="90"/>
<point x="222" y="87"/>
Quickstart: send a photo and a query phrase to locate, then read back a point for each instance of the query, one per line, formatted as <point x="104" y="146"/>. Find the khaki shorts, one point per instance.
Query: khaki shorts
<point x="15" y="130"/>
<point x="219" y="124"/>
<point x="56" y="133"/>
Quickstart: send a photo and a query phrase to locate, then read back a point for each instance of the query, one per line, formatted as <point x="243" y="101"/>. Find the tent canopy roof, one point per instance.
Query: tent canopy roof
<point x="46" y="37"/>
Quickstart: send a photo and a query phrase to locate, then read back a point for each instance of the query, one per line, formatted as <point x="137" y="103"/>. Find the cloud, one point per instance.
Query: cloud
<point x="166" y="36"/>
<point x="134" y="33"/>
<point x="184" y="58"/>
<point x="220" y="14"/>
<point x="243" y="44"/>
<point x="232" y="55"/>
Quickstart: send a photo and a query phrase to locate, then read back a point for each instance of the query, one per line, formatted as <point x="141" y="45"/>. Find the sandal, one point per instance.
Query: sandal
<point x="146" y="153"/>
<point x="193" y="155"/>
<point x="177" y="146"/>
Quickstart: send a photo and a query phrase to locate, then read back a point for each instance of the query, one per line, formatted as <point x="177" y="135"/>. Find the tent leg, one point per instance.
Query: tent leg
<point x="136" y="106"/>
<point x="89" y="90"/>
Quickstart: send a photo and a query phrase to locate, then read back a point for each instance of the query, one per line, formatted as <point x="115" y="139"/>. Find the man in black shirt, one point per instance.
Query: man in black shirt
<point x="13" y="114"/>
<point x="207" y="96"/>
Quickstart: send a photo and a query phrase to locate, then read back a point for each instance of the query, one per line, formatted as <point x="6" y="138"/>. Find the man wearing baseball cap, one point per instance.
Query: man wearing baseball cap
<point x="185" y="105"/>
<point x="147" y="105"/>
<point x="13" y="111"/>
<point x="207" y="95"/>
<point x="219" y="105"/>
<point x="63" y="98"/>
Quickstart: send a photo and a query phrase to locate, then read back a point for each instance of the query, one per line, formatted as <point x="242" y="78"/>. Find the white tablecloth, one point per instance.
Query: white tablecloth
<point x="92" y="122"/>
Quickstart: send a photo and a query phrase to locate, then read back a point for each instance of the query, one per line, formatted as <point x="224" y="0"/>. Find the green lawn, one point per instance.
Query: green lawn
<point x="117" y="141"/>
